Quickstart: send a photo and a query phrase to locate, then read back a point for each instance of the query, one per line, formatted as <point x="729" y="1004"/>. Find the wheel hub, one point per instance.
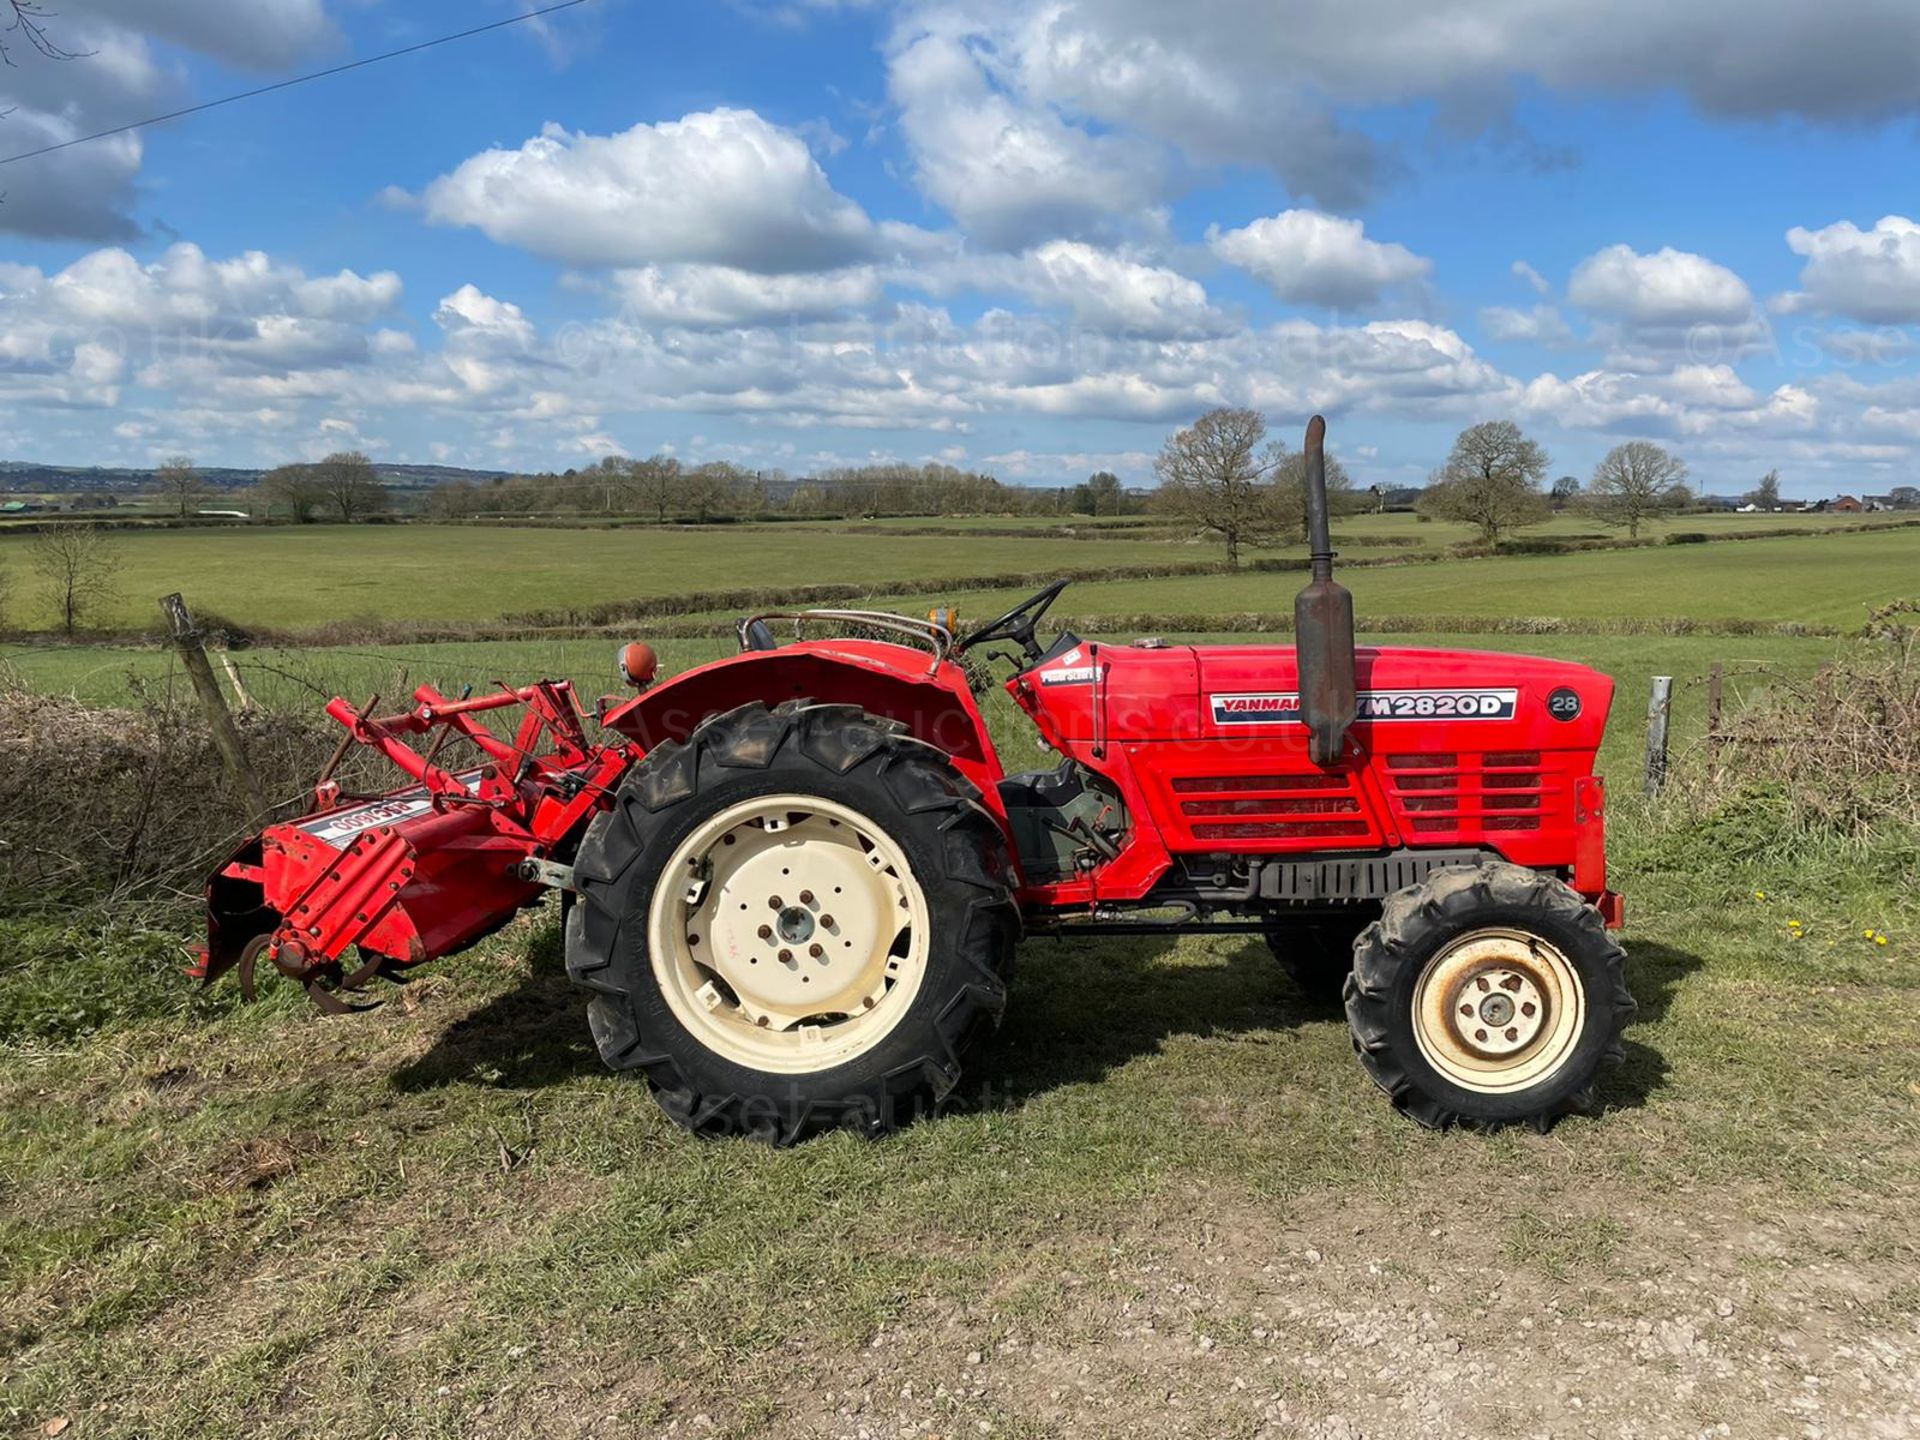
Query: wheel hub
<point x="1497" y="1010"/>
<point x="796" y="934"/>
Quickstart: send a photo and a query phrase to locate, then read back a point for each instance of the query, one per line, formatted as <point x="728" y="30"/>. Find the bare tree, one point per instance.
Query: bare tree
<point x="656" y="485"/>
<point x="1214" y="475"/>
<point x="346" y="482"/>
<point x="75" y="564"/>
<point x="295" y="487"/>
<point x="30" y="23"/>
<point x="1490" y="481"/>
<point x="1636" y="482"/>
<point x="178" y="484"/>
<point x="1290" y="492"/>
<point x="1766" y="495"/>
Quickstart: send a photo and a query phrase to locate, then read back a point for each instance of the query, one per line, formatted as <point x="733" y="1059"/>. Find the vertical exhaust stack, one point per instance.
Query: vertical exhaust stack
<point x="1323" y="622"/>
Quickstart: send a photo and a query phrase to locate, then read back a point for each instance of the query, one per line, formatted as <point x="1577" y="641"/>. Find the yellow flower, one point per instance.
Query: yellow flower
<point x="1868" y="933"/>
<point x="1759" y="894"/>
<point x="1879" y="939"/>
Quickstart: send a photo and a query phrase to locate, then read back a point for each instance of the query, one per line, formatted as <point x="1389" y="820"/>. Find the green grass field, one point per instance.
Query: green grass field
<point x="1170" y="1203"/>
<point x="291" y="577"/>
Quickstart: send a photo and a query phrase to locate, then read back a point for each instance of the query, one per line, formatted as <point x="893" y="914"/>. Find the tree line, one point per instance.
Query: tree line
<point x="1224" y="477"/>
<point x="343" y="487"/>
<point x="661" y="488"/>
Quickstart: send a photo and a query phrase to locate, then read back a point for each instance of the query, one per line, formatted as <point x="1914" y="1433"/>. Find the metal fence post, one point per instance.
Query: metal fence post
<point x="1659" y="704"/>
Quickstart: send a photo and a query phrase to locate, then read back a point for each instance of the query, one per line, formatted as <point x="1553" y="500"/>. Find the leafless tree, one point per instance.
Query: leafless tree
<point x="75" y="564"/>
<point x="30" y="23"/>
<point x="656" y="485"/>
<point x="1215" y="475"/>
<point x="1636" y="482"/>
<point x="295" y="487"/>
<point x="346" y="482"/>
<point x="178" y="483"/>
<point x="1491" y="481"/>
<point x="1290" y="492"/>
<point x="1766" y="495"/>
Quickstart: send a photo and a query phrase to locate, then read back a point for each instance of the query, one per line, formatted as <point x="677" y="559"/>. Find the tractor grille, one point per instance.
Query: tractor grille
<point x="1449" y="794"/>
<point x="1270" y="807"/>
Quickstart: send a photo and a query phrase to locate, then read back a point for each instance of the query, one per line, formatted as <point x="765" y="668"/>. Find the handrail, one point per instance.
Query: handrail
<point x="937" y="637"/>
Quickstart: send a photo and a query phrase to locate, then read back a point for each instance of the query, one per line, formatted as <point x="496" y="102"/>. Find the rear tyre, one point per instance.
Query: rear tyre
<point x="1489" y="996"/>
<point x="1317" y="956"/>
<point x="796" y="921"/>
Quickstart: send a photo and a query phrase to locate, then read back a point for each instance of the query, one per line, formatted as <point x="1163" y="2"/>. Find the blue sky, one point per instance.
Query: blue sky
<point x="1031" y="236"/>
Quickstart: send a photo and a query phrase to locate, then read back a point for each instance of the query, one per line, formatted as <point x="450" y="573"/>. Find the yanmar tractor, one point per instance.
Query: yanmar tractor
<point x="794" y="878"/>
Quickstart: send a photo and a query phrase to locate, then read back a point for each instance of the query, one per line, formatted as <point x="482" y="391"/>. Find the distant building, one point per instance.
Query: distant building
<point x="1846" y="505"/>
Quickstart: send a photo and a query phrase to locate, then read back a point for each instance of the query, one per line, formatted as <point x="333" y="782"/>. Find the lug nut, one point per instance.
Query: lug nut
<point x="827" y="920"/>
<point x="815" y="951"/>
<point x="774" y="902"/>
<point x="806" y="897"/>
<point x="766" y="932"/>
<point x="786" y="957"/>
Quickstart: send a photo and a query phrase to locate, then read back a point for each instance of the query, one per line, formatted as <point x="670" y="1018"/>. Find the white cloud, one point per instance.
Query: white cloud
<point x="1668" y="287"/>
<point x="1534" y="279"/>
<point x="718" y="187"/>
<point x="1310" y="258"/>
<point x="1055" y="90"/>
<point x="1871" y="275"/>
<point x="1011" y="169"/>
<point x="1669" y="307"/>
<point x="1096" y="289"/>
<point x="720" y="295"/>
<point x="1538" y="324"/>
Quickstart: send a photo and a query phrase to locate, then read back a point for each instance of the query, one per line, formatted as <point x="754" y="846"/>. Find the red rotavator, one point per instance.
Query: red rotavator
<point x="794" y="878"/>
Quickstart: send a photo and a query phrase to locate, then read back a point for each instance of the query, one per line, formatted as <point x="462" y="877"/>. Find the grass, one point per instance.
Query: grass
<point x="1828" y="580"/>
<point x="446" y="1219"/>
<point x="233" y="1220"/>
<point x="294" y="577"/>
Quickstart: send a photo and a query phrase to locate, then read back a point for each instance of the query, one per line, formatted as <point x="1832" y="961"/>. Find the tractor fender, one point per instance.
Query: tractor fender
<point x="890" y="682"/>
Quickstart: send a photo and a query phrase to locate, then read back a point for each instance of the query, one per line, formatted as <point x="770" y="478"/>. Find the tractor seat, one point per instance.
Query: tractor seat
<point x="757" y="635"/>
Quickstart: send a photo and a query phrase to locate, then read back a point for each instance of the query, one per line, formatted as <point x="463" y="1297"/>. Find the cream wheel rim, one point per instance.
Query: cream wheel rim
<point x="1498" y="1011"/>
<point x="788" y="933"/>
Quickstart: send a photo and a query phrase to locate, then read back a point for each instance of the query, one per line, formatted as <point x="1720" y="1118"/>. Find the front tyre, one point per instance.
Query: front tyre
<point x="796" y="921"/>
<point x="1488" y="996"/>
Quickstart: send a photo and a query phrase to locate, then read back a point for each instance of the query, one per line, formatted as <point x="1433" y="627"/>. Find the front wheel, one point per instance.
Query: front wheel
<point x="798" y="920"/>
<point x="1489" y="996"/>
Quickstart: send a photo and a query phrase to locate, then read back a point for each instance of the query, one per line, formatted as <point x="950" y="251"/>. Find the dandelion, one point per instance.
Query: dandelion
<point x="1879" y="939"/>
<point x="1759" y="894"/>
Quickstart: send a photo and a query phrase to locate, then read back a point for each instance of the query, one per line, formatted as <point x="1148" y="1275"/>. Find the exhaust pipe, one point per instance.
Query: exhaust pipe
<point x="1323" y="622"/>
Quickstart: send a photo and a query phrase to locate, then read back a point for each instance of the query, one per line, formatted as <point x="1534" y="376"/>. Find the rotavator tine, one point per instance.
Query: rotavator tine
<point x="244" y="967"/>
<point x="331" y="1004"/>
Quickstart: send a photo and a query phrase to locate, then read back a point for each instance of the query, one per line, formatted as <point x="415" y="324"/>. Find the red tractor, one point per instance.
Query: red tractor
<point x="794" y="878"/>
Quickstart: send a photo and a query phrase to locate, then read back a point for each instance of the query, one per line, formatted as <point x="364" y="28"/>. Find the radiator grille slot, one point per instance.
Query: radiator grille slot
<point x="1271" y="807"/>
<point x="1502" y="790"/>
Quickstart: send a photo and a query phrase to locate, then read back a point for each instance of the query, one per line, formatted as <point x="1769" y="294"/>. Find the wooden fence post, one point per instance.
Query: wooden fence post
<point x="193" y="655"/>
<point x="1658" y="706"/>
<point x="239" y="685"/>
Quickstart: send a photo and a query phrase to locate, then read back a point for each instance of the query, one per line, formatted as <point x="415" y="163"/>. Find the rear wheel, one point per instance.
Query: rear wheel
<point x="798" y="920"/>
<point x="1317" y="956"/>
<point x="1488" y="996"/>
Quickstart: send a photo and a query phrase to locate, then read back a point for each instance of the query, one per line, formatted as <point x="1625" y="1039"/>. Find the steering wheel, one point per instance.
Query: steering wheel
<point x="1017" y="624"/>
